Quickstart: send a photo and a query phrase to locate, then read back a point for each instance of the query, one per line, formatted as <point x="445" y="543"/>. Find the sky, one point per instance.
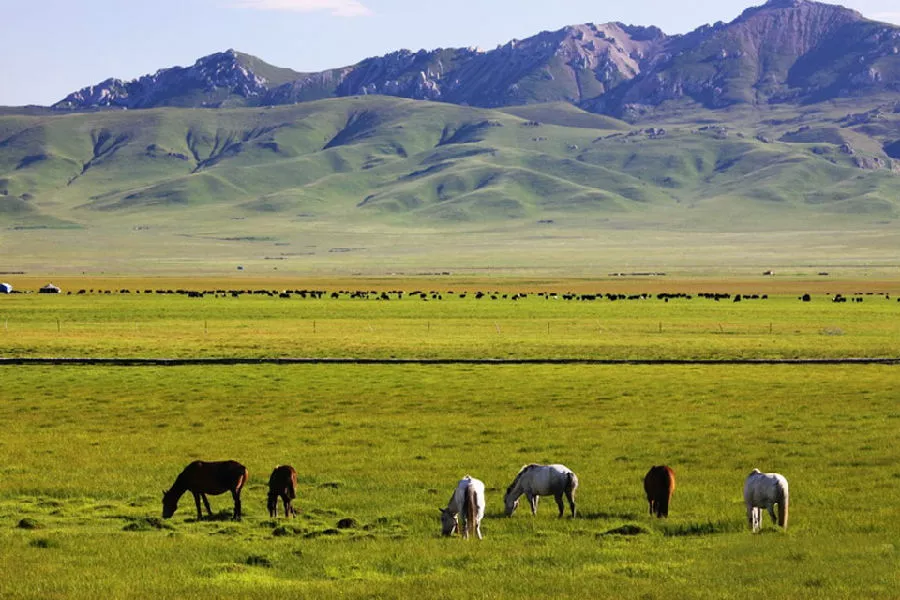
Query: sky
<point x="51" y="48"/>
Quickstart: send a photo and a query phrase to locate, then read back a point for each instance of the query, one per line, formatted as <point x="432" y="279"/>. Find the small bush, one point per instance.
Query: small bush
<point x="28" y="523"/>
<point x="256" y="560"/>
<point x="146" y="524"/>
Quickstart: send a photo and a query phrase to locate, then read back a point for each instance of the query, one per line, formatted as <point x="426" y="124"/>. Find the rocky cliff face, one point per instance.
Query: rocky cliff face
<point x="210" y="81"/>
<point x="783" y="51"/>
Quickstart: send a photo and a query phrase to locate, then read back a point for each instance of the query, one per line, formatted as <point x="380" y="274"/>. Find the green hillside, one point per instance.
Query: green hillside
<point x="387" y="164"/>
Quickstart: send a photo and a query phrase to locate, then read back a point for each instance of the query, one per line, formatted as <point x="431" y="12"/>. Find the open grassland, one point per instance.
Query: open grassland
<point x="388" y="318"/>
<point x="383" y="185"/>
<point x="86" y="451"/>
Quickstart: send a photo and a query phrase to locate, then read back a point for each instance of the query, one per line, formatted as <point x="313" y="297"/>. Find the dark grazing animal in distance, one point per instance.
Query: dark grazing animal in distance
<point x="282" y="484"/>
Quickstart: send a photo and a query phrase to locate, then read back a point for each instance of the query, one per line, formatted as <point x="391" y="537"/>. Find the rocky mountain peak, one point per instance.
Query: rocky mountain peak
<point x="212" y="78"/>
<point x="781" y="51"/>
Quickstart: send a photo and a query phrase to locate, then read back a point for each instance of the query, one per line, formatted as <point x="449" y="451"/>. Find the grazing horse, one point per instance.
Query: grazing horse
<point x="202" y="478"/>
<point x="764" y="490"/>
<point x="468" y="500"/>
<point x="542" y="480"/>
<point x="659" y="483"/>
<point x="282" y="484"/>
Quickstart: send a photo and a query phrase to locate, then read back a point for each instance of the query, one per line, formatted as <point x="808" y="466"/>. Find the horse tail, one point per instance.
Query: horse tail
<point x="292" y="484"/>
<point x="670" y="489"/>
<point x="783" y="505"/>
<point x="291" y="489"/>
<point x="571" y="482"/>
<point x="470" y="508"/>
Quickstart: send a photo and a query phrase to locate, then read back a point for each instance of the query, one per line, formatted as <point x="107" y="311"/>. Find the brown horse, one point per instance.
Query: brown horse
<point x="202" y="478"/>
<point x="659" y="483"/>
<point x="283" y="484"/>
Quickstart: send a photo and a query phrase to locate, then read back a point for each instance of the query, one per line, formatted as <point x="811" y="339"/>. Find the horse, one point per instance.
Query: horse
<point x="468" y="500"/>
<point x="282" y="484"/>
<point x="765" y="490"/>
<point x="202" y="478"/>
<point x="659" y="483"/>
<point x="542" y="480"/>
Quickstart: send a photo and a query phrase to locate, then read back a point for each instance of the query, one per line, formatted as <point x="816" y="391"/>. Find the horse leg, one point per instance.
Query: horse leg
<point x="533" y="500"/>
<point x="236" y="494"/>
<point x="197" y="502"/>
<point x="478" y="528"/>
<point x="751" y="516"/>
<point x="559" y="503"/>
<point x="570" y="496"/>
<point x="206" y="503"/>
<point x="771" y="508"/>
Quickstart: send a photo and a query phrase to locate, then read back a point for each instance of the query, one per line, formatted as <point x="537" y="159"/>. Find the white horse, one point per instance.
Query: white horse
<point x="468" y="500"/>
<point x="542" y="480"/>
<point x="765" y="490"/>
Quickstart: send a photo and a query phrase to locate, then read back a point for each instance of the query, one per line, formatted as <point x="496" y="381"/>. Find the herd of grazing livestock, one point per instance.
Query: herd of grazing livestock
<point x="761" y="491"/>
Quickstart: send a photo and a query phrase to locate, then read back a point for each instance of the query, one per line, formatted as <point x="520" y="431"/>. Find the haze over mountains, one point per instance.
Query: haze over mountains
<point x="786" y="119"/>
<point x="794" y="51"/>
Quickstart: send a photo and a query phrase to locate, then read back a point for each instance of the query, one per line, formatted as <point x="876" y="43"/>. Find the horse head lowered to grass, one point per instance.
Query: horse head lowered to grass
<point x="765" y="490"/>
<point x="282" y="484"/>
<point x="202" y="478"/>
<point x="467" y="500"/>
<point x="542" y="480"/>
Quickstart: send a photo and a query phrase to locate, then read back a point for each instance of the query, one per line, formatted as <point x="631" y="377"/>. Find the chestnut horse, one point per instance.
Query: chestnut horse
<point x="659" y="483"/>
<point x="202" y="478"/>
<point x="282" y="484"/>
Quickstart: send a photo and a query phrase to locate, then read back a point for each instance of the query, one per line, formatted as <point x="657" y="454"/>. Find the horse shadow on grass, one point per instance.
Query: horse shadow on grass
<point x="222" y="515"/>
<point x="601" y="515"/>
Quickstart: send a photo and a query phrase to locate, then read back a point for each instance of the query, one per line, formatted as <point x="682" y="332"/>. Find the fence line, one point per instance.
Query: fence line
<point x="175" y="362"/>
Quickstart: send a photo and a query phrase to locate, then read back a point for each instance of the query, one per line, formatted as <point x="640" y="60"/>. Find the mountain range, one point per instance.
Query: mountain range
<point x="786" y="51"/>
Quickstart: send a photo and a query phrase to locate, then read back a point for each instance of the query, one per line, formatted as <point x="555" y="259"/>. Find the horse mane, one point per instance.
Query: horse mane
<point x="519" y="475"/>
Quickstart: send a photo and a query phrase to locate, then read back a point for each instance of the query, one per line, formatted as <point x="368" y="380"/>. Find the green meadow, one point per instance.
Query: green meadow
<point x="509" y="320"/>
<point x="87" y="450"/>
<point x="383" y="186"/>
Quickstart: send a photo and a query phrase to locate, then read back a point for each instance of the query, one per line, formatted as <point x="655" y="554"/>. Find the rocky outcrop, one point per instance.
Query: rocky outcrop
<point x="210" y="81"/>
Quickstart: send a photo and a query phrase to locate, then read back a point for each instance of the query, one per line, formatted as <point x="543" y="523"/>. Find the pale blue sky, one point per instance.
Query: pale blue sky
<point x="53" y="47"/>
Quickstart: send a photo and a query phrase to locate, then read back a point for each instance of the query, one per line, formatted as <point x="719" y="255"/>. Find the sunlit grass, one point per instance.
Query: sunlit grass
<point x="86" y="452"/>
<point x="457" y="325"/>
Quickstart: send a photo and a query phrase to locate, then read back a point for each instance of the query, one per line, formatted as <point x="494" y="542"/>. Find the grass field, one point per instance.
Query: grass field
<point x="86" y="451"/>
<point x="513" y="319"/>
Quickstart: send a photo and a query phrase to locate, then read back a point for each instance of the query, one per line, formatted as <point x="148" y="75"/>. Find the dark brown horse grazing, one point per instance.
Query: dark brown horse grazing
<point x="282" y="484"/>
<point x="659" y="483"/>
<point x="202" y="478"/>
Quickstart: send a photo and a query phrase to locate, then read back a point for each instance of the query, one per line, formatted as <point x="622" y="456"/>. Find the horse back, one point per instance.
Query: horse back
<point x="214" y="477"/>
<point x="659" y="479"/>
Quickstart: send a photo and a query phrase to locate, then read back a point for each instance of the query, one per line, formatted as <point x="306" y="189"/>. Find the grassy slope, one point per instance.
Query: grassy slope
<point x="389" y="165"/>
